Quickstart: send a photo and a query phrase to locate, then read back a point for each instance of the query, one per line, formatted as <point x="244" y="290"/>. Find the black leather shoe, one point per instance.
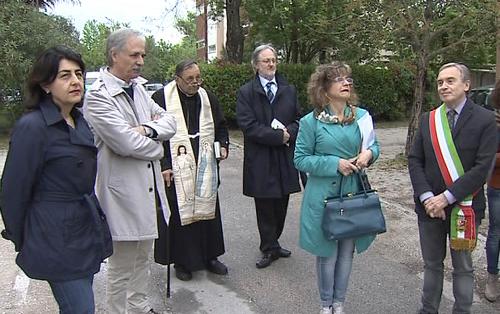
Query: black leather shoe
<point x="266" y="260"/>
<point x="217" y="267"/>
<point x="182" y="274"/>
<point x="284" y="252"/>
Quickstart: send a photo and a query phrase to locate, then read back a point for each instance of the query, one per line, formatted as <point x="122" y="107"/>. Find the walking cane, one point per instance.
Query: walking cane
<point x="169" y="238"/>
<point x="168" y="262"/>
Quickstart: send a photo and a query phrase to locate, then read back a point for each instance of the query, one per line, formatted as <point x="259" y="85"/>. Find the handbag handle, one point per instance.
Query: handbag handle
<point x="360" y="175"/>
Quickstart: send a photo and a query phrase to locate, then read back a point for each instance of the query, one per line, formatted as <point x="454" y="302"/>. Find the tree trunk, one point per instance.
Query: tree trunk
<point x="294" y="36"/>
<point x="498" y="42"/>
<point x="235" y="38"/>
<point x="418" y="100"/>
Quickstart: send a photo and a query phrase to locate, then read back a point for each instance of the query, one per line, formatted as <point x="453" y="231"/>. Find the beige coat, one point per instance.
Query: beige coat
<point x="125" y="181"/>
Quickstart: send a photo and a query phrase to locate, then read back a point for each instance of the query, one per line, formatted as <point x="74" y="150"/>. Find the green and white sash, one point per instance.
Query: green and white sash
<point x="462" y="220"/>
<point x="195" y="183"/>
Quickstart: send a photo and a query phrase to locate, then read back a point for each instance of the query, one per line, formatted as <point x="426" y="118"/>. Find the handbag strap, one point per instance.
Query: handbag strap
<point x="360" y="174"/>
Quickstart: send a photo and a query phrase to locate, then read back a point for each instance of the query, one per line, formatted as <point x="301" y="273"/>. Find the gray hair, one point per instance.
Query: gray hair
<point x="117" y="40"/>
<point x="258" y="50"/>
<point x="462" y="68"/>
<point x="184" y="65"/>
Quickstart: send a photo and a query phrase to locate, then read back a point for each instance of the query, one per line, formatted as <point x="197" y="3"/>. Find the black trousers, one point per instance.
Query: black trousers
<point x="271" y="214"/>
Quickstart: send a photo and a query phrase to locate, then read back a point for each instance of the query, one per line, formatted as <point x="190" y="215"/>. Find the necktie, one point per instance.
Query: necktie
<point x="451" y="118"/>
<point x="269" y="92"/>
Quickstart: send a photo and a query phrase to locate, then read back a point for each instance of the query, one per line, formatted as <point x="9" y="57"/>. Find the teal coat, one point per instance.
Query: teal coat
<point x="318" y="150"/>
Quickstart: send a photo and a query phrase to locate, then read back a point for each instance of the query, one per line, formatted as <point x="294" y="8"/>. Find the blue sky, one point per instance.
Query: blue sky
<point x="152" y="17"/>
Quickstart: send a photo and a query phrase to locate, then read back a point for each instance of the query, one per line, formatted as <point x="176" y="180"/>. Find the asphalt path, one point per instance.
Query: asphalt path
<point x="385" y="279"/>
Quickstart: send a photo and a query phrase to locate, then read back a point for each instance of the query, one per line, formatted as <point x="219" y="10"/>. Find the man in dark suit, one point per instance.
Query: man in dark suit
<point x="267" y="111"/>
<point x="473" y="133"/>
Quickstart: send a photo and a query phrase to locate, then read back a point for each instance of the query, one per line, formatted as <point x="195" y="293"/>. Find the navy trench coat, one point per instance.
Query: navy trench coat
<point x="268" y="169"/>
<point x="48" y="204"/>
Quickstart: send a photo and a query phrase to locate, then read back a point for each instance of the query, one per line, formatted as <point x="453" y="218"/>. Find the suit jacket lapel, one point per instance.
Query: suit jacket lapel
<point x="281" y="84"/>
<point x="259" y="103"/>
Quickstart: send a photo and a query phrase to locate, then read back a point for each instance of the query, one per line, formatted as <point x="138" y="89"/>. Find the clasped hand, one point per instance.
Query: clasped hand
<point x="434" y="206"/>
<point x="360" y="162"/>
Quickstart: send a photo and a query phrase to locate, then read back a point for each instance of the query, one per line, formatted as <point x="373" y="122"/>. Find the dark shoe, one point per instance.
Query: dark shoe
<point x="182" y="274"/>
<point x="266" y="260"/>
<point x="217" y="267"/>
<point x="284" y="252"/>
<point x="153" y="312"/>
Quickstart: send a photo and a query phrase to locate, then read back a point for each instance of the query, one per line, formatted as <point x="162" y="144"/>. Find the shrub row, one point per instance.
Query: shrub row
<point x="386" y="91"/>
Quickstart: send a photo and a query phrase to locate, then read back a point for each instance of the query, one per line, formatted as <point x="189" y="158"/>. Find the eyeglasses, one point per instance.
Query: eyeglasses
<point x="267" y="61"/>
<point x="192" y="80"/>
<point x="341" y="79"/>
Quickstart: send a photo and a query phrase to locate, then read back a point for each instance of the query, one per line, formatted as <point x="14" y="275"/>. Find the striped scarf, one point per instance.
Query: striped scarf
<point x="462" y="220"/>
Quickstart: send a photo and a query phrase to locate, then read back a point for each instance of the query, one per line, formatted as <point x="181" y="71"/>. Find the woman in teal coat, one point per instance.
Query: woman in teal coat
<point x="334" y="141"/>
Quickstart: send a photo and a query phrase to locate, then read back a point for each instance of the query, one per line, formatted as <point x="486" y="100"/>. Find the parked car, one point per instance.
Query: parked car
<point x="482" y="96"/>
<point x="152" y="87"/>
<point x="10" y="95"/>
<point x="90" y="78"/>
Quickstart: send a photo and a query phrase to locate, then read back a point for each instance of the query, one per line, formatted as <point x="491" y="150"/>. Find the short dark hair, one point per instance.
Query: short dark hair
<point x="44" y="71"/>
<point x="183" y="65"/>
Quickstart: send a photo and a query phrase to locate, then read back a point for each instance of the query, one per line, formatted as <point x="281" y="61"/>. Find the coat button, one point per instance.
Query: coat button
<point x="149" y="165"/>
<point x="150" y="189"/>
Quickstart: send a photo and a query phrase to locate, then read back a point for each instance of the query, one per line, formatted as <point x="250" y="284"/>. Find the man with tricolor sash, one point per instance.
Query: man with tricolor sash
<point x="449" y="163"/>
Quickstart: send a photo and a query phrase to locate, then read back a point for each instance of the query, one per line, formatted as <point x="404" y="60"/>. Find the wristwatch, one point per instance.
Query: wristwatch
<point x="147" y="131"/>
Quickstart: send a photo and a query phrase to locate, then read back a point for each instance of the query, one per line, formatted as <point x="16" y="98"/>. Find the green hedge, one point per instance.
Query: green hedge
<point x="386" y="91"/>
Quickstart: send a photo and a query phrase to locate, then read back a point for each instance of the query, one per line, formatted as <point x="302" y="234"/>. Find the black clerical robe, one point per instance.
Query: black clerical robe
<point x="192" y="245"/>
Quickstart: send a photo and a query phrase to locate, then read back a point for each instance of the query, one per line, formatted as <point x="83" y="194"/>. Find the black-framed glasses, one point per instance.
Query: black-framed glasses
<point x="341" y="79"/>
<point x="192" y="80"/>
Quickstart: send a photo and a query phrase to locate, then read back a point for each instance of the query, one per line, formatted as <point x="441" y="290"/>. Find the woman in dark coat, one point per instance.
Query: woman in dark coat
<point x="48" y="204"/>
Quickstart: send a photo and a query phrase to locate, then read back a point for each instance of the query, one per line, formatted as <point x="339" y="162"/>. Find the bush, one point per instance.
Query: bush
<point x="386" y="91"/>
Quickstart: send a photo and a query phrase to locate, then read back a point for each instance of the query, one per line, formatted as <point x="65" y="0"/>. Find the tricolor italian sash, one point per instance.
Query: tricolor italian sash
<point x="195" y="183"/>
<point x="462" y="220"/>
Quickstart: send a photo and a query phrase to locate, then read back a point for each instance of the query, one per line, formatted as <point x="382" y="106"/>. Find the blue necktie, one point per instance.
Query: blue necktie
<point x="269" y="92"/>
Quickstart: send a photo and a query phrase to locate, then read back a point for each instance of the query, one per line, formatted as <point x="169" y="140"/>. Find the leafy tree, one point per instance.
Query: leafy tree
<point x="302" y="30"/>
<point x="162" y="57"/>
<point x="23" y="39"/>
<point x="44" y="4"/>
<point x="235" y="35"/>
<point x="94" y="36"/>
<point x="25" y="36"/>
<point x="426" y="33"/>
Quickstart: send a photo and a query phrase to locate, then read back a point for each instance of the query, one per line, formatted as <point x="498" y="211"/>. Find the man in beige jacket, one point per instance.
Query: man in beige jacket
<point x="129" y="128"/>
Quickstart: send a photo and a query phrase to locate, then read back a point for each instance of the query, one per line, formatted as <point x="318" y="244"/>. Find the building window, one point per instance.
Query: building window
<point x="200" y="44"/>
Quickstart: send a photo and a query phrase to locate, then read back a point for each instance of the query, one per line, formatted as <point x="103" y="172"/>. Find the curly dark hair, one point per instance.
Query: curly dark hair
<point x="321" y="80"/>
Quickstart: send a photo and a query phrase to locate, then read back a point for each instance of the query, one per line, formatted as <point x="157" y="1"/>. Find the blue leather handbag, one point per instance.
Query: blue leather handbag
<point x="353" y="215"/>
